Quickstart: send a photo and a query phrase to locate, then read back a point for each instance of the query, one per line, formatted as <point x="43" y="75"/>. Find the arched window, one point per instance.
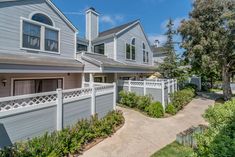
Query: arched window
<point x="42" y="19"/>
<point x="130" y="50"/>
<point x="145" y="54"/>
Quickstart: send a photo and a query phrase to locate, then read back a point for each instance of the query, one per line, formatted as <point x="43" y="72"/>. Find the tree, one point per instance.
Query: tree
<point x="169" y="67"/>
<point x="208" y="34"/>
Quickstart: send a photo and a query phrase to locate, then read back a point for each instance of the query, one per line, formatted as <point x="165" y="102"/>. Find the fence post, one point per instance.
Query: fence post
<point x="129" y="85"/>
<point x="176" y="85"/>
<point x="59" y="110"/>
<point x="163" y="95"/>
<point x="93" y="94"/>
<point x="144" y="87"/>
<point x="114" y="95"/>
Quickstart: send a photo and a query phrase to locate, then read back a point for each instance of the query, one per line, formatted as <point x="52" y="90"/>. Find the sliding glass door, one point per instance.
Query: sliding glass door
<point x="30" y="86"/>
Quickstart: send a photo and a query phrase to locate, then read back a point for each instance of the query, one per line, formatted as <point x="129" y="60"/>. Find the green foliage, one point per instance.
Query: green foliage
<point x="170" y="109"/>
<point x="190" y="86"/>
<point x="155" y="110"/>
<point x="143" y="102"/>
<point x="68" y="141"/>
<point x="218" y="139"/>
<point x="129" y="99"/>
<point x="209" y="40"/>
<point x="182" y="97"/>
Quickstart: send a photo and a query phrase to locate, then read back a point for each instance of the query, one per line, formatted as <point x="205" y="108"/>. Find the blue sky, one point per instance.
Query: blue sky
<point x="153" y="14"/>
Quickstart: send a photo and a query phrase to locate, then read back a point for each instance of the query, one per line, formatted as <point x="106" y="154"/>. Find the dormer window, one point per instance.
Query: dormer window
<point x="39" y="33"/>
<point x="130" y="50"/>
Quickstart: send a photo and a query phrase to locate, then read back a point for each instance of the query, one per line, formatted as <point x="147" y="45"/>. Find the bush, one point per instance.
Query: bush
<point x="143" y="102"/>
<point x="129" y="99"/>
<point x="68" y="141"/>
<point x="155" y="110"/>
<point x="218" y="139"/>
<point x="181" y="98"/>
<point x="170" y="109"/>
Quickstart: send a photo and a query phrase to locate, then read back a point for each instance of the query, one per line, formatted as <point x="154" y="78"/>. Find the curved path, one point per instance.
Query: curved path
<point x="141" y="136"/>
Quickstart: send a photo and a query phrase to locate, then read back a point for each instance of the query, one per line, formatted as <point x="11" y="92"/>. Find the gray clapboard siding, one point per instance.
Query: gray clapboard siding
<point x="27" y="125"/>
<point x="75" y="111"/>
<point x="137" y="33"/>
<point x="10" y="13"/>
<point x="104" y="104"/>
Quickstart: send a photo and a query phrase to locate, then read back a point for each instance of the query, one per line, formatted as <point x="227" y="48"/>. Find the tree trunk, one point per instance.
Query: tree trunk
<point x="226" y="83"/>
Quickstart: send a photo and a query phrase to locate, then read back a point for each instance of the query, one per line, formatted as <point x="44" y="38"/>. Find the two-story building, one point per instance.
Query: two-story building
<point x="40" y="50"/>
<point x="37" y="48"/>
<point x="122" y="52"/>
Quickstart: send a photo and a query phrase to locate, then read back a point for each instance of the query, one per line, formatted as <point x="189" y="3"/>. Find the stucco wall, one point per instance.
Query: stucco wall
<point x="70" y="81"/>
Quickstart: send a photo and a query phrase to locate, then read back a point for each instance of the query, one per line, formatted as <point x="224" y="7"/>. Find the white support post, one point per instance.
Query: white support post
<point x="144" y="87"/>
<point x="91" y="80"/>
<point x="173" y="85"/>
<point x="59" y="109"/>
<point x="176" y="85"/>
<point x="83" y="80"/>
<point x="93" y="95"/>
<point x="163" y="95"/>
<point x="114" y="95"/>
<point x="129" y="85"/>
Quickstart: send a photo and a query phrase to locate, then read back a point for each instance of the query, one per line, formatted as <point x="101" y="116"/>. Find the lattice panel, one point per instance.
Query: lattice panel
<point x="137" y="83"/>
<point x="25" y="102"/>
<point x="77" y="93"/>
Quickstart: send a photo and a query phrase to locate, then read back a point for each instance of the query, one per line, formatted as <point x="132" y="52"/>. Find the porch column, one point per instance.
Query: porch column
<point x="83" y="80"/>
<point x="115" y="77"/>
<point x="91" y="79"/>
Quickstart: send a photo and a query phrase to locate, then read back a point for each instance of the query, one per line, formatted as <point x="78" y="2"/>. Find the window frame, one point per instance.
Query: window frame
<point x="99" y="45"/>
<point x="42" y="36"/>
<point x="145" y="53"/>
<point x="131" y="46"/>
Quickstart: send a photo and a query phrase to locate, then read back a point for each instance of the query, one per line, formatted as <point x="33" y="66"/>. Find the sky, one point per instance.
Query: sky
<point x="153" y="14"/>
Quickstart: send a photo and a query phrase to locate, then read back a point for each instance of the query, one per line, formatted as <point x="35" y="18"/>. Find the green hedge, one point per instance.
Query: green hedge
<point x="181" y="98"/>
<point x="219" y="138"/>
<point x="142" y="103"/>
<point x="68" y="141"/>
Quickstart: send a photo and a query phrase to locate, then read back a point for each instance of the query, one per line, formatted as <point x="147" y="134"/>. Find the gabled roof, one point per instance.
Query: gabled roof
<point x="116" y="29"/>
<point x="57" y="10"/>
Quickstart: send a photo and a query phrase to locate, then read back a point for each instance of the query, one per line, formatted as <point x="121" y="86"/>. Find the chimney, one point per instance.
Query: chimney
<point x="156" y="43"/>
<point x="92" y="26"/>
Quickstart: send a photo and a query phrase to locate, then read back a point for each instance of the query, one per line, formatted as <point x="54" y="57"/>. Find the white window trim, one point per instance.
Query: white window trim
<point x="32" y="78"/>
<point x="102" y="76"/>
<point x="133" y="60"/>
<point x="144" y="51"/>
<point x="42" y="36"/>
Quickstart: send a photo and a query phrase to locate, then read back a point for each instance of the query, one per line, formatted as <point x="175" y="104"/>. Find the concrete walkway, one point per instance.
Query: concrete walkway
<point x="141" y="136"/>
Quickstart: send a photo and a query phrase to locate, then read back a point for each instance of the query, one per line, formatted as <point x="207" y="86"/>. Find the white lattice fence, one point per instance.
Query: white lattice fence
<point x="15" y="102"/>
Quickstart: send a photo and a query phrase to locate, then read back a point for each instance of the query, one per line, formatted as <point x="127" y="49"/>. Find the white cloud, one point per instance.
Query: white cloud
<point x="111" y="19"/>
<point x="160" y="38"/>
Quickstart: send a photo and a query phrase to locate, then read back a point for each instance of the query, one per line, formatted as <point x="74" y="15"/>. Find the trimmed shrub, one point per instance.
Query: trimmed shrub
<point x="170" y="109"/>
<point x="68" y="141"/>
<point x="181" y="98"/>
<point x="190" y="86"/>
<point x="129" y="99"/>
<point x="155" y="110"/>
<point x="143" y="102"/>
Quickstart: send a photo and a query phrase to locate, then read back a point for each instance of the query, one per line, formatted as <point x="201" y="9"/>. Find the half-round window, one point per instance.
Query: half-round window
<point x="42" y="19"/>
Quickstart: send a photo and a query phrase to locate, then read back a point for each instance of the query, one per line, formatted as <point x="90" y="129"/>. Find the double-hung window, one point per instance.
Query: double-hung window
<point x="145" y="54"/>
<point x="130" y="50"/>
<point x="38" y="33"/>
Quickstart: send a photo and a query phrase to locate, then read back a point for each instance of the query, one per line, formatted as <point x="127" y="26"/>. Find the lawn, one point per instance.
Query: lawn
<point x="174" y="150"/>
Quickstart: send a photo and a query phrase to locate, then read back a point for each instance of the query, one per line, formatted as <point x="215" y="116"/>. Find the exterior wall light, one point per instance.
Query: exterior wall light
<point x="4" y="82"/>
